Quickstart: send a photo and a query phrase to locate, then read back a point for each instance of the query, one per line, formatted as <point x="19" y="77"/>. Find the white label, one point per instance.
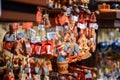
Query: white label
<point x="59" y="28"/>
<point x="48" y="49"/>
<point x="35" y="39"/>
<point x="51" y="35"/>
<point x="39" y="50"/>
<point x="81" y="26"/>
<point x="74" y="18"/>
<point x="68" y="11"/>
<point x="41" y="27"/>
<point x="94" y="25"/>
<point x="32" y="31"/>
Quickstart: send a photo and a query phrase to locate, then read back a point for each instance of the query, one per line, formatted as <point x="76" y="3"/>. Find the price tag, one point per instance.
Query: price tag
<point x="35" y="39"/>
<point x="41" y="27"/>
<point x="32" y="31"/>
<point x="51" y="35"/>
<point x="59" y="28"/>
<point x="21" y="35"/>
<point x="81" y="26"/>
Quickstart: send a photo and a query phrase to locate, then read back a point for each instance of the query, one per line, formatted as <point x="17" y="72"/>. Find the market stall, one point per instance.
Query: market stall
<point x="51" y="45"/>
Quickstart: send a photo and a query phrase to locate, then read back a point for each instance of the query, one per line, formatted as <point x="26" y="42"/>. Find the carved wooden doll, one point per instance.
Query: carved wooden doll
<point x="62" y="21"/>
<point x="62" y="18"/>
<point x="91" y="31"/>
<point x="43" y="21"/>
<point x="71" y="47"/>
<point x="39" y="18"/>
<point x="84" y="49"/>
<point x="62" y="63"/>
<point x="82" y="24"/>
<point x="46" y="20"/>
<point x="73" y="22"/>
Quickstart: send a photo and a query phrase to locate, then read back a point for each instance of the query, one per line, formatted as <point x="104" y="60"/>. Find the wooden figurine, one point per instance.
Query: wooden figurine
<point x="91" y="31"/>
<point x="73" y="22"/>
<point x="62" y="18"/>
<point x="84" y="49"/>
<point x="71" y="47"/>
<point x="62" y="63"/>
<point x="39" y="18"/>
<point x="46" y="21"/>
<point x="62" y="21"/>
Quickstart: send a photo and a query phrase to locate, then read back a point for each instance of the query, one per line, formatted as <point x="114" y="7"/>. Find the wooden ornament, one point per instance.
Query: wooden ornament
<point x="84" y="49"/>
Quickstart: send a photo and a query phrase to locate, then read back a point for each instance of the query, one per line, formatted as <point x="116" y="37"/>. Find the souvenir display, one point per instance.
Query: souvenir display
<point x="40" y="53"/>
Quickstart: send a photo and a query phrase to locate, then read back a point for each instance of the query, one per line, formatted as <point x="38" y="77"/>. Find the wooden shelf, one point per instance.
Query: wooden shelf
<point x="109" y="14"/>
<point x="33" y="2"/>
<point x="16" y="16"/>
<point x="109" y="19"/>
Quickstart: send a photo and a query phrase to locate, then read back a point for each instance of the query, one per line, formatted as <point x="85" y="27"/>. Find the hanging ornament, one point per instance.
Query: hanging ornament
<point x="81" y="22"/>
<point x="91" y="31"/>
<point x="39" y="18"/>
<point x="84" y="49"/>
<point x="46" y="21"/>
